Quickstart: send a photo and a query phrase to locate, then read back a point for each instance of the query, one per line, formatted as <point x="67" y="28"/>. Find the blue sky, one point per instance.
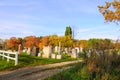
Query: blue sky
<point x="22" y="18"/>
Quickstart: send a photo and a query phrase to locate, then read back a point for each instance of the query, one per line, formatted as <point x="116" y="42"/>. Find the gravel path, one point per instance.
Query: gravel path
<point x="36" y="73"/>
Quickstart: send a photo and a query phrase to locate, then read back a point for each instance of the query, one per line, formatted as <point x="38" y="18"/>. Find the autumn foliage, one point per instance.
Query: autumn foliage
<point x="13" y="43"/>
<point x="111" y="11"/>
<point x="31" y="41"/>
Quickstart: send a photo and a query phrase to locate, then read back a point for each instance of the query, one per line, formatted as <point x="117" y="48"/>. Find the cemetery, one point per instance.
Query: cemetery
<point x="59" y="40"/>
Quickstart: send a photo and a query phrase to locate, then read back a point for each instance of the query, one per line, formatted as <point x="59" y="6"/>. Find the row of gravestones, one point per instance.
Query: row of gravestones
<point x="47" y="52"/>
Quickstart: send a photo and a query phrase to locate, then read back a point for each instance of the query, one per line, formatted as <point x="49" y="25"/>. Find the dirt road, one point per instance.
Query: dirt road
<point x="36" y="73"/>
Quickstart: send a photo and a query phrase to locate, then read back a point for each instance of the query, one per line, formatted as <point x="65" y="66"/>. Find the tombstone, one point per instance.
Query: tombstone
<point x="53" y="56"/>
<point x="56" y="49"/>
<point x="77" y="50"/>
<point x="35" y="51"/>
<point x="28" y="51"/>
<point x="66" y="50"/>
<point x="81" y="49"/>
<point x="19" y="48"/>
<point x="74" y="53"/>
<point x="40" y="54"/>
<point x="24" y="50"/>
<point x="47" y="50"/>
<point x="59" y="48"/>
<point x="89" y="52"/>
<point x="58" y="56"/>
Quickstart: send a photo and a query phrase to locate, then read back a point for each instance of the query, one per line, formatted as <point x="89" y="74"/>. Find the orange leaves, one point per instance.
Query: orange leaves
<point x="45" y="41"/>
<point x="31" y="41"/>
<point x="12" y="43"/>
<point x="41" y="46"/>
<point x="109" y="14"/>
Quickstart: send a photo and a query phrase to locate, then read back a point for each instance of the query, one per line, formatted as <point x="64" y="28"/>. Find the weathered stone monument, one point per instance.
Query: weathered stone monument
<point x="77" y="50"/>
<point x="29" y="51"/>
<point x="74" y="53"/>
<point x="40" y="53"/>
<point x="53" y="56"/>
<point x="47" y="50"/>
<point x="35" y="51"/>
<point x="24" y="50"/>
<point x="66" y="50"/>
<point x="81" y="49"/>
<point x="19" y="48"/>
<point x="59" y="56"/>
<point x="56" y="49"/>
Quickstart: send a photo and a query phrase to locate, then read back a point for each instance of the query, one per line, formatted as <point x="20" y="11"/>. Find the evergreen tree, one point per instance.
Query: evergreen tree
<point x="68" y="31"/>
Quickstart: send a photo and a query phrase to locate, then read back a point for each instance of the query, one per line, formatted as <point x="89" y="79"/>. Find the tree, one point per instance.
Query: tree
<point x="12" y="43"/>
<point x="111" y="15"/>
<point x="99" y="44"/>
<point x="31" y="41"/>
<point x="68" y="31"/>
<point x="83" y="43"/>
<point x="45" y="41"/>
<point x="54" y="40"/>
<point x="66" y="41"/>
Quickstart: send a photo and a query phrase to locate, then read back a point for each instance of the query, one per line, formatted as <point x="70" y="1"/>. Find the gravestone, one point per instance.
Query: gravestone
<point x="29" y="51"/>
<point x="81" y="49"/>
<point x="56" y="49"/>
<point x="24" y="50"/>
<point x="77" y="50"/>
<point x="53" y="56"/>
<point x="66" y="50"/>
<point x="74" y="53"/>
<point x="19" y="48"/>
<point x="40" y="53"/>
<point x="58" y="56"/>
<point x="35" y="51"/>
<point x="47" y="50"/>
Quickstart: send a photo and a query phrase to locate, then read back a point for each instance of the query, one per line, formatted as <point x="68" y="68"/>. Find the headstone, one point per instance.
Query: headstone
<point x="59" y="48"/>
<point x="53" y="56"/>
<point x="40" y="54"/>
<point x="19" y="48"/>
<point x="66" y="50"/>
<point x="74" y="53"/>
<point x="35" y="51"/>
<point x="47" y="50"/>
<point x="77" y="50"/>
<point x="58" y="56"/>
<point x="81" y="49"/>
<point x="24" y="50"/>
<point x="28" y="51"/>
<point x="56" y="49"/>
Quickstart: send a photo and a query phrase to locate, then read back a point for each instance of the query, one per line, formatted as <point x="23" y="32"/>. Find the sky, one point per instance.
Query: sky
<point x="21" y="18"/>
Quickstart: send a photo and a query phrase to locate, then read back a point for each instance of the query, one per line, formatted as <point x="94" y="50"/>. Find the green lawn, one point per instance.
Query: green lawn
<point x="97" y="67"/>
<point x="28" y="61"/>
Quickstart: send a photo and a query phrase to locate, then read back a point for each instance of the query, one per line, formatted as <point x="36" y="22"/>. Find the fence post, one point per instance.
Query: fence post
<point x="3" y="56"/>
<point x="8" y="57"/>
<point x="16" y="58"/>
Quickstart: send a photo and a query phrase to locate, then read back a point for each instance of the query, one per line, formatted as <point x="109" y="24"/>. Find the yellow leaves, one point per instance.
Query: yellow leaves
<point x="110" y="15"/>
<point x="83" y="43"/>
<point x="41" y="46"/>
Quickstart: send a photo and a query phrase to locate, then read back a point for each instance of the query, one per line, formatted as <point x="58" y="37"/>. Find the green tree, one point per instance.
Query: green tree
<point x="68" y="31"/>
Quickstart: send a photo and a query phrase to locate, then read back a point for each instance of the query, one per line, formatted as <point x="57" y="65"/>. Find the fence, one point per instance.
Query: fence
<point x="6" y="54"/>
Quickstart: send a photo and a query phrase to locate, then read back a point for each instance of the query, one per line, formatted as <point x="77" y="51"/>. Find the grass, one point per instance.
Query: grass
<point x="102" y="67"/>
<point x="70" y="74"/>
<point x="28" y="61"/>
